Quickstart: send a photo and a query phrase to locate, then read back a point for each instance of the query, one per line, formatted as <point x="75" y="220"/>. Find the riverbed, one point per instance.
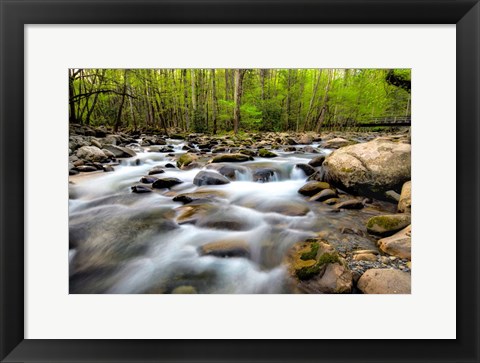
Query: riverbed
<point x="126" y="242"/>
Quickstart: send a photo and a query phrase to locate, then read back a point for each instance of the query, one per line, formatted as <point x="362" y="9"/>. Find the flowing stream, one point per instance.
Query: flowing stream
<point x="125" y="242"/>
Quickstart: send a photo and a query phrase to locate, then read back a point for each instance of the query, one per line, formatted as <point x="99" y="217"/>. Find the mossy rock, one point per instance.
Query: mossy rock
<point x="387" y="225"/>
<point x="264" y="153"/>
<point x="233" y="158"/>
<point x="248" y="152"/>
<point x="185" y="160"/>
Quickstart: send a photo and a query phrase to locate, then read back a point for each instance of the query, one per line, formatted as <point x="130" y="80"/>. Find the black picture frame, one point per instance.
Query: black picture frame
<point x="15" y="14"/>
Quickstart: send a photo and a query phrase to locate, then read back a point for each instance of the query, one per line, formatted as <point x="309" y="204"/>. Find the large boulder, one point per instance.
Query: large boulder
<point x="119" y="151"/>
<point x="91" y="153"/>
<point x="209" y="178"/>
<point x="405" y="202"/>
<point x="370" y="168"/>
<point x="399" y="245"/>
<point x="385" y="281"/>
<point x="386" y="225"/>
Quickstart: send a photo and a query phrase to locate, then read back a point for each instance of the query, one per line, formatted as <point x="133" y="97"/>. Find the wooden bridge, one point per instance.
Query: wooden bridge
<point x="387" y="121"/>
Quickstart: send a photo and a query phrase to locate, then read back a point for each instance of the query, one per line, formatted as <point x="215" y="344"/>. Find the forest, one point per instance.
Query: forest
<point x="236" y="100"/>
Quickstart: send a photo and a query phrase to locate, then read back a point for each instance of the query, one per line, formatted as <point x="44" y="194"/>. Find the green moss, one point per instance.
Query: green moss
<point x="328" y="258"/>
<point x="306" y="273"/>
<point x="264" y="153"/>
<point x="347" y="170"/>
<point x="310" y="255"/>
<point x="386" y="222"/>
<point x="185" y="160"/>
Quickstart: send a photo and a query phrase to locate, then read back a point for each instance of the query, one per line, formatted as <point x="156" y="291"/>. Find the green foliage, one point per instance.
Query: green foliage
<point x="271" y="99"/>
<point x="310" y="255"/>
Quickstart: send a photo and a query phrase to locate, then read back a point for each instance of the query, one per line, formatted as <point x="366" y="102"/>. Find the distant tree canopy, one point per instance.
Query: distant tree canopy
<point x="212" y="100"/>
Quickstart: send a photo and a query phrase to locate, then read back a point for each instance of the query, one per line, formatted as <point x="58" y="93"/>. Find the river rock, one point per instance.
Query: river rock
<point x="207" y="195"/>
<point x="209" y="178"/>
<point x="399" y="245"/>
<point x="309" y="149"/>
<point x="323" y="195"/>
<point x="316" y="267"/>
<point x="226" y="248"/>
<point x="392" y="195"/>
<point x="331" y="201"/>
<point x="286" y="207"/>
<point x="350" y="204"/>
<point x="96" y="143"/>
<point x="91" y="153"/>
<point x="108" y="154"/>
<point x="161" y="149"/>
<point x="289" y="141"/>
<point x="156" y="170"/>
<point x="108" y="168"/>
<point x="336" y="143"/>
<point x="148" y="179"/>
<point x="405" y="201"/>
<point x="307" y="169"/>
<point x="185" y="160"/>
<point x="317" y="176"/>
<point x="228" y="170"/>
<point x="385" y="281"/>
<point x="317" y="161"/>
<point x="140" y="189"/>
<point x="264" y="153"/>
<point x="263" y="175"/>
<point x="313" y="187"/>
<point x="86" y="168"/>
<point x="119" y="151"/>
<point x="248" y="152"/>
<point x="166" y="183"/>
<point x="386" y="225"/>
<point x="232" y="158"/>
<point x="365" y="257"/>
<point x="369" y="168"/>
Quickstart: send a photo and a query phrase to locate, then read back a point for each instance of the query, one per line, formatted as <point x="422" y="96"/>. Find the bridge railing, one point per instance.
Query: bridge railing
<point x="385" y="121"/>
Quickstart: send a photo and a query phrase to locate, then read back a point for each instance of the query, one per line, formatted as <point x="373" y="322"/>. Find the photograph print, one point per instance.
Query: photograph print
<point x="239" y="181"/>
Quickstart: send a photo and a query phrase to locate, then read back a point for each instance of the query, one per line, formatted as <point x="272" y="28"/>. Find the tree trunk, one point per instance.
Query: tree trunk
<point x="71" y="94"/>
<point x="118" y="120"/>
<point x="95" y="98"/>
<point x="237" y="98"/>
<point x="323" y="109"/>
<point x="186" y="101"/>
<point x="306" y="125"/>
<point x="214" y="102"/>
